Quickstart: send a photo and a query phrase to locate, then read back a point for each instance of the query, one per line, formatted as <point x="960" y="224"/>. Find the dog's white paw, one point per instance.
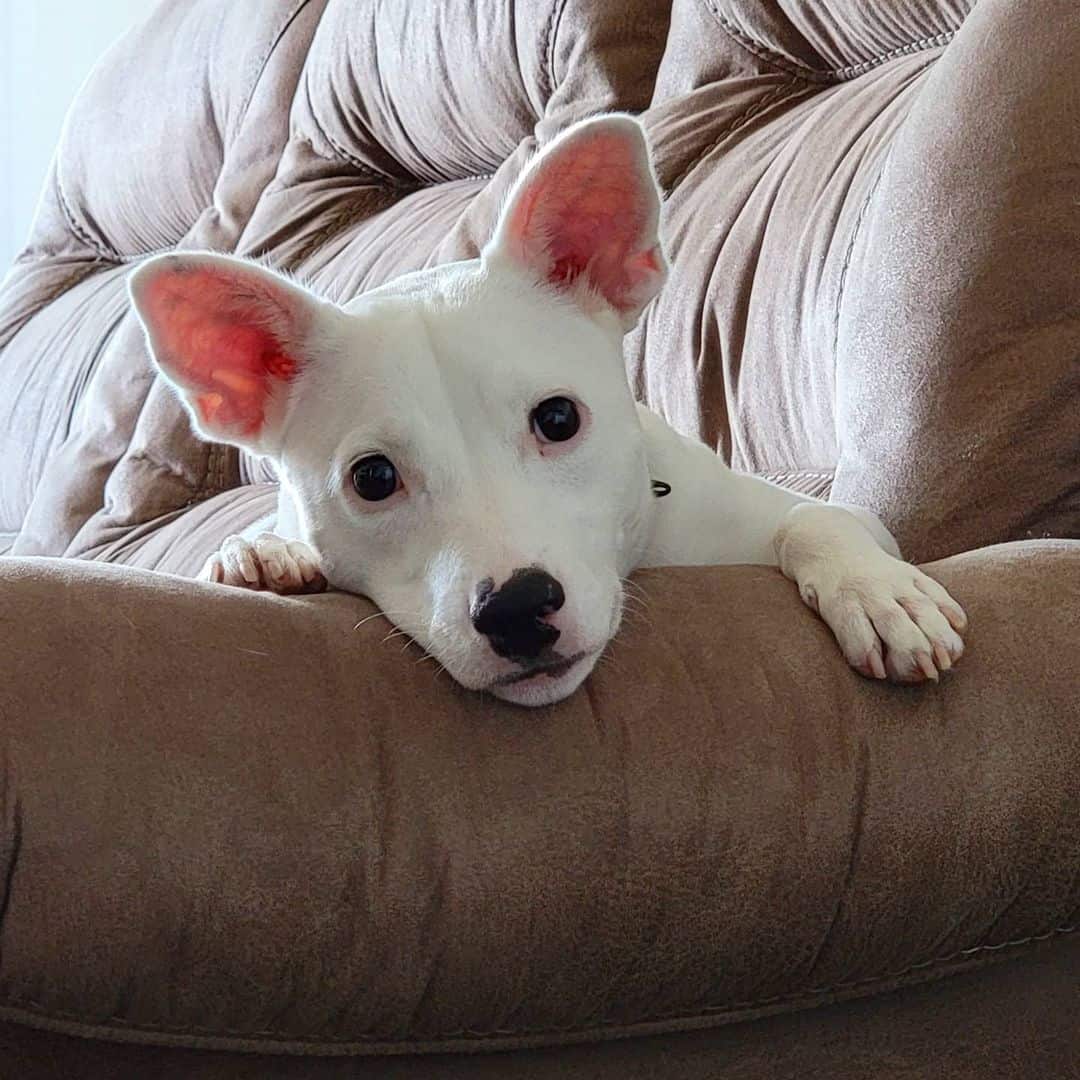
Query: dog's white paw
<point x="889" y="618"/>
<point x="266" y="563"/>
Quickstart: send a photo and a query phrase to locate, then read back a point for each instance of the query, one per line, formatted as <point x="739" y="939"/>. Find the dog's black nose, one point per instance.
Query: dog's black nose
<point x="512" y="617"/>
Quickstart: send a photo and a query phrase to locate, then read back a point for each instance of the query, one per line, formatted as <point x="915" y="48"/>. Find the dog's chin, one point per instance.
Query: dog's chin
<point x="546" y="685"/>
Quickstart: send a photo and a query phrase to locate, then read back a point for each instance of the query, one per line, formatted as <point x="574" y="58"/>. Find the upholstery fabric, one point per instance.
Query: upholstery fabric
<point x="233" y="822"/>
<point x="213" y="838"/>
<point x="818" y="162"/>
<point x="990" y="1023"/>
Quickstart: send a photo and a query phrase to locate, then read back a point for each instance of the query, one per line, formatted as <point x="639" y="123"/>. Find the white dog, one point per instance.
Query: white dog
<point x="461" y="445"/>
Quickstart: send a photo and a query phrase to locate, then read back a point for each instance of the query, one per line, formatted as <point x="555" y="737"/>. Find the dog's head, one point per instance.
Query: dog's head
<point x="460" y="445"/>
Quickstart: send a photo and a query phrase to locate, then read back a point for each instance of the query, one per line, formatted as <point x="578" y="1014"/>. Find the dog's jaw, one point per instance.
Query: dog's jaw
<point x="545" y="687"/>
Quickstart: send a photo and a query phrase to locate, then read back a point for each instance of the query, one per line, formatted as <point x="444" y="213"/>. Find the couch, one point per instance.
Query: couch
<point x="249" y="836"/>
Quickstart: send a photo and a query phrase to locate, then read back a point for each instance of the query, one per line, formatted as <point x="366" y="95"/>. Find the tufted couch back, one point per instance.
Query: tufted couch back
<point x="870" y="211"/>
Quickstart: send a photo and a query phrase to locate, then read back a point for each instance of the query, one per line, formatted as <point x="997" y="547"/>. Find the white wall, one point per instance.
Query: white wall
<point x="47" y="48"/>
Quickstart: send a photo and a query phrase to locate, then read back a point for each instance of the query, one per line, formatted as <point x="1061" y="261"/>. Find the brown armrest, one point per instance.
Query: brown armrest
<point x="233" y="820"/>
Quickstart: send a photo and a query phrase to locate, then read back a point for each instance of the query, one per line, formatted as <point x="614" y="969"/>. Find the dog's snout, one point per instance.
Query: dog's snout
<point x="512" y="616"/>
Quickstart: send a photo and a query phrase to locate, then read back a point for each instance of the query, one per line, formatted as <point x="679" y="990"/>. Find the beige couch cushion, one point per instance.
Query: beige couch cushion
<point x="849" y="309"/>
<point x="286" y="834"/>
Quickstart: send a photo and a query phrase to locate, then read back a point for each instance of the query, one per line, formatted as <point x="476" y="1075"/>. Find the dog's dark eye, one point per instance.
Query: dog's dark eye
<point x="375" y="478"/>
<point x="556" y="419"/>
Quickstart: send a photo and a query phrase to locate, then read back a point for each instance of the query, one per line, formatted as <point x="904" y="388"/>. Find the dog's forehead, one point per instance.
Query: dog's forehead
<point x="450" y="283"/>
<point x="462" y="322"/>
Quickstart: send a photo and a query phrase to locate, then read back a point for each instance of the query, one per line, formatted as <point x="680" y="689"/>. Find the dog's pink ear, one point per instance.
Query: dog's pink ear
<point x="584" y="217"/>
<point x="230" y="336"/>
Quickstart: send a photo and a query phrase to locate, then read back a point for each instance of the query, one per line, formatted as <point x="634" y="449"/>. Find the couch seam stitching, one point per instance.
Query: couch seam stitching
<point x="76" y="277"/>
<point x="822" y="75"/>
<point x="550" y="41"/>
<point x="107" y="254"/>
<point x="381" y="179"/>
<point x="757" y="106"/>
<point x="366" y="171"/>
<point x="909" y="48"/>
<point x="105" y="250"/>
<point x="706" y="1010"/>
<point x="856" y="232"/>
<point x="104" y="253"/>
<point x="823" y="474"/>
<point x="279" y="34"/>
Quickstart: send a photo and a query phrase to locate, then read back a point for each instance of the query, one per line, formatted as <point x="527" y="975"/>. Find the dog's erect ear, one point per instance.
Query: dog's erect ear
<point x="584" y="216"/>
<point x="230" y="336"/>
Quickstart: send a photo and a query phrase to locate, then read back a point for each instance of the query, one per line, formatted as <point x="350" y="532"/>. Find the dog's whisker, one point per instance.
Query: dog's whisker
<point x="376" y="615"/>
<point x="607" y="658"/>
<point x="638" y="598"/>
<point x="384" y="615"/>
<point x="609" y="661"/>
<point x="634" y="609"/>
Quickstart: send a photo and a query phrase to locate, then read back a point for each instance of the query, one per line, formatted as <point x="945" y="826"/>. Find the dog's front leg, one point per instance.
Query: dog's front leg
<point x="889" y="618"/>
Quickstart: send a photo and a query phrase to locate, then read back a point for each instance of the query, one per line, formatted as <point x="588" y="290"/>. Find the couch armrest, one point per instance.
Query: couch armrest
<point x="957" y="354"/>
<point x="234" y="820"/>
